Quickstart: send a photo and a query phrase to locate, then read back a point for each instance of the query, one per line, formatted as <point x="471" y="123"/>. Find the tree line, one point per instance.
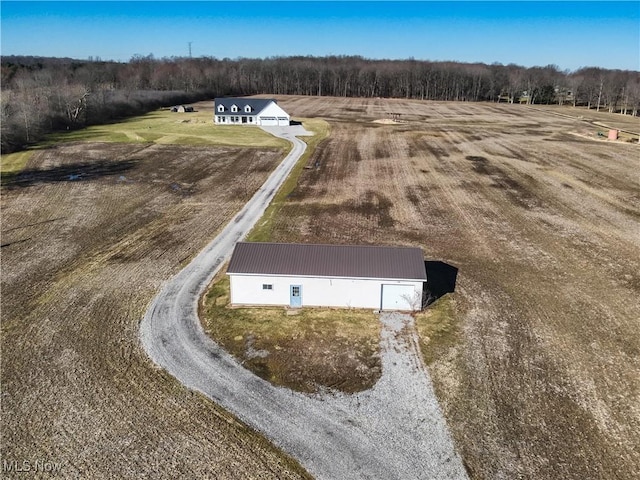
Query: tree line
<point x="41" y="95"/>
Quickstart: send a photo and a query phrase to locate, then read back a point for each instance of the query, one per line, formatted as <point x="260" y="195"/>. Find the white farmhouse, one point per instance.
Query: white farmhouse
<point x="299" y="275"/>
<point x="249" y="111"/>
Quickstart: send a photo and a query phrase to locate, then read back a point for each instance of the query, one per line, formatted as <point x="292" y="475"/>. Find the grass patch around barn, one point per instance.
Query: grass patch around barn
<point x="166" y="127"/>
<point x="313" y="349"/>
<point x="261" y="232"/>
<point x="438" y="327"/>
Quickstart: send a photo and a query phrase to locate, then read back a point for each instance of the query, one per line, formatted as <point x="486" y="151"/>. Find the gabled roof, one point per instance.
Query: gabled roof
<point x="350" y="261"/>
<point x="256" y="104"/>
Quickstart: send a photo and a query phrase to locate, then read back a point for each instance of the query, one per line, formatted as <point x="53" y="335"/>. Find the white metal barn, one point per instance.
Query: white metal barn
<point x="298" y="275"/>
<point x="249" y="111"/>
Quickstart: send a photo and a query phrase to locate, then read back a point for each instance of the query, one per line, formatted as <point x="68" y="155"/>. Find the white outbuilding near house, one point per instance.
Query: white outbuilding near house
<point x="249" y="111"/>
<point x="299" y="275"/>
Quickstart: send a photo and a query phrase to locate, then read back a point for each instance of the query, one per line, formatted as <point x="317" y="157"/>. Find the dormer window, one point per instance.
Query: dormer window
<point x="247" y="108"/>
<point x="234" y="108"/>
<point x="221" y="108"/>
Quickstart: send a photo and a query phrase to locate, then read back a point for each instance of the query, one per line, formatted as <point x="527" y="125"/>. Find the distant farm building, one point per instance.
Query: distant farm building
<point x="347" y="276"/>
<point x="249" y="111"/>
<point x="182" y="109"/>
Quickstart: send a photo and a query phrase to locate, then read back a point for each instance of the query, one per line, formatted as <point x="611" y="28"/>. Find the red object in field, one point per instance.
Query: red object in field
<point x="613" y="134"/>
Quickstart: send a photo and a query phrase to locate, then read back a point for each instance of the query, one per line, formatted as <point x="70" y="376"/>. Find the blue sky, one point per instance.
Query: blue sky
<point x="568" y="34"/>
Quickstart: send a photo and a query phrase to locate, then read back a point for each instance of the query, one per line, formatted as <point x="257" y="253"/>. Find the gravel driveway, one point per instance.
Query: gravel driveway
<point x="395" y="430"/>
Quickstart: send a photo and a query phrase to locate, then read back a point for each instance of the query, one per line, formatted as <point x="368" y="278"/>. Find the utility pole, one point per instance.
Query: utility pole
<point x="190" y="49"/>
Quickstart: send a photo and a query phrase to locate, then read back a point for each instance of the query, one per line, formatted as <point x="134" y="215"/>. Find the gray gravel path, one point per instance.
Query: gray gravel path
<point x="393" y="431"/>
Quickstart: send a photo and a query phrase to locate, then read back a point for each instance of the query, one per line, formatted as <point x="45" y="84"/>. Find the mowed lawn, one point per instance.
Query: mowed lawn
<point x="166" y="127"/>
<point x="92" y="225"/>
<point x="536" y="355"/>
<point x="161" y="127"/>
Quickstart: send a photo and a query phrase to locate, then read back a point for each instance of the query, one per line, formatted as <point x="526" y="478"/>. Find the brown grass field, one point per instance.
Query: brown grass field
<point x="537" y="367"/>
<point x="90" y="231"/>
<point x="539" y="370"/>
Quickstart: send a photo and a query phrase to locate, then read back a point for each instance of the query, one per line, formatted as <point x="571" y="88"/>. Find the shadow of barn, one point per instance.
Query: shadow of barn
<point x="441" y="279"/>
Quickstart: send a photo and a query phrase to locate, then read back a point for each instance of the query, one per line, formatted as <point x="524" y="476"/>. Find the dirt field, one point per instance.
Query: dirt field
<point x="89" y="233"/>
<point x="541" y="381"/>
<point x="543" y="378"/>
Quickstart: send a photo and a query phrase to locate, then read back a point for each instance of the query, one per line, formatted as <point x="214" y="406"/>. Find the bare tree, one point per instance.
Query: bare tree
<point x="45" y="94"/>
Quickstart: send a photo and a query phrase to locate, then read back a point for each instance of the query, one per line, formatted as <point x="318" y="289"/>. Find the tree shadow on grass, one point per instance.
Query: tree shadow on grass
<point x="67" y="173"/>
<point x="441" y="279"/>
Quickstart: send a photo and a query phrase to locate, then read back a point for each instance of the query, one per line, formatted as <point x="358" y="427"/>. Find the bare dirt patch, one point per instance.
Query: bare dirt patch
<point x="542" y="378"/>
<point x="90" y="231"/>
<point x="386" y="121"/>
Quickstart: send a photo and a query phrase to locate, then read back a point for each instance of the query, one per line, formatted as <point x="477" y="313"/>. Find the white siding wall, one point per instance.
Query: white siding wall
<point x="324" y="292"/>
<point x="230" y="119"/>
<point x="274" y="111"/>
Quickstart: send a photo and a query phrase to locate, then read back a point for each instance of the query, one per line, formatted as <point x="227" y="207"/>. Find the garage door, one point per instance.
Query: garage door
<point x="397" y="297"/>
<point x="269" y="121"/>
<point x="283" y="121"/>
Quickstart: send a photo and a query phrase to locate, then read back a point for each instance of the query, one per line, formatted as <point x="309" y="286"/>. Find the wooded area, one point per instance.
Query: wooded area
<point x="41" y="95"/>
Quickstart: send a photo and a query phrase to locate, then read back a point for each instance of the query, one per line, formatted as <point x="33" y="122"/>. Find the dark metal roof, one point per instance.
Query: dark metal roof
<point x="328" y="261"/>
<point x="256" y="104"/>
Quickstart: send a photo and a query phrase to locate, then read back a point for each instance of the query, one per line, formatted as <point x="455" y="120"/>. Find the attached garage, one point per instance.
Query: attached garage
<point x="273" y="116"/>
<point x="268" y="121"/>
<point x="347" y="276"/>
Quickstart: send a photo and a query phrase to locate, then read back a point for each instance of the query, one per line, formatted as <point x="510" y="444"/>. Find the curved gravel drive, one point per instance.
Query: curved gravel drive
<point x="393" y="431"/>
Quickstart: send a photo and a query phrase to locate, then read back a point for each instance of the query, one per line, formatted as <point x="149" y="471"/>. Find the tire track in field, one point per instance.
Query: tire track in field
<point x="445" y="174"/>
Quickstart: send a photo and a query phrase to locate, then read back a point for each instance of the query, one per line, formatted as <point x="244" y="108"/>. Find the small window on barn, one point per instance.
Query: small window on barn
<point x="267" y="286"/>
<point x="247" y="108"/>
<point x="220" y="108"/>
<point x="234" y="108"/>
